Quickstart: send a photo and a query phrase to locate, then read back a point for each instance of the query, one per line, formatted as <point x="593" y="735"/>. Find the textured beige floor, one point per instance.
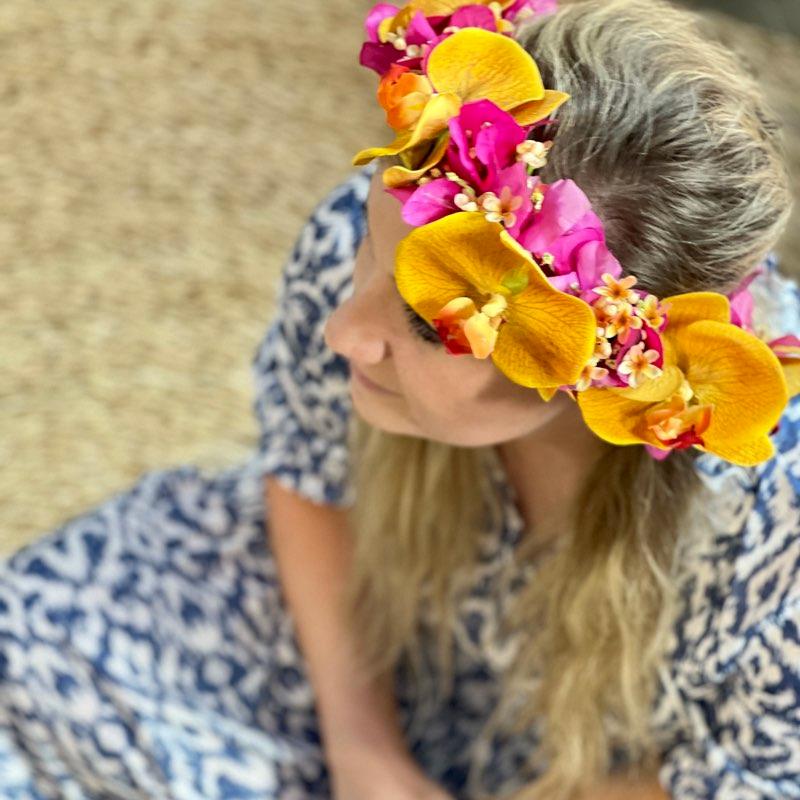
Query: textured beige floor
<point x="157" y="159"/>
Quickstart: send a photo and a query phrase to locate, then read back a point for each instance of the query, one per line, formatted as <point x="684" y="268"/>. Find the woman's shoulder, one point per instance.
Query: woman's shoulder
<point x="730" y="691"/>
<point x="302" y="399"/>
<point x="772" y="485"/>
<point x="743" y="567"/>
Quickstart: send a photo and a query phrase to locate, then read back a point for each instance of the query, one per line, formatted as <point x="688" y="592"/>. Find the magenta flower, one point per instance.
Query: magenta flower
<point x="432" y="200"/>
<point x="656" y="452"/>
<point x="741" y="301"/>
<point x="475" y="16"/>
<point x="567" y="236"/>
<point x="483" y="141"/>
<point x="375" y="16"/>
<point x="481" y="171"/>
<point x="406" y="43"/>
<point x="409" y="36"/>
<point x="523" y="9"/>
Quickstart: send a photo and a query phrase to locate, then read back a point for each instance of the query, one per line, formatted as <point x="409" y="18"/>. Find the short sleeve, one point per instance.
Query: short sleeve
<point x="302" y="399"/>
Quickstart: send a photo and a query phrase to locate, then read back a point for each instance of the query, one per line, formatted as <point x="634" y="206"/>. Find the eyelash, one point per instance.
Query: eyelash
<point x="420" y="326"/>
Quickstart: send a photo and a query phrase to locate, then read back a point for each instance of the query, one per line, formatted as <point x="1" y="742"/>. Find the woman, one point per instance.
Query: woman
<point x="617" y="612"/>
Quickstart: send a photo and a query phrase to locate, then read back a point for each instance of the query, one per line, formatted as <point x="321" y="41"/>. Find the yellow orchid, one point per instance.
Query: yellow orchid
<point x="722" y="389"/>
<point x="471" y="64"/>
<point x="477" y="285"/>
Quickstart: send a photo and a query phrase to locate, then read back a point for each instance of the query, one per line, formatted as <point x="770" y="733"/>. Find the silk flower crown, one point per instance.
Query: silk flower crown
<point x="508" y="267"/>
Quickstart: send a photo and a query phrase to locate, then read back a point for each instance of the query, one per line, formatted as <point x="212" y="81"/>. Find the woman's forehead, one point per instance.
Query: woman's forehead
<point x="378" y="196"/>
<point x="385" y="214"/>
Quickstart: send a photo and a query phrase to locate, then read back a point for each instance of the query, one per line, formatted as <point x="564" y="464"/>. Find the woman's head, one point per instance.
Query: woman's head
<point x="672" y="145"/>
<point x="458" y="400"/>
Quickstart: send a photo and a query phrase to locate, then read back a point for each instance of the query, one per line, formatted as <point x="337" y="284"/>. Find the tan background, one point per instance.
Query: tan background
<point x="157" y="159"/>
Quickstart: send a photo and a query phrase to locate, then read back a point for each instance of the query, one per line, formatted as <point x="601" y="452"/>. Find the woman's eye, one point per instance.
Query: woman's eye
<point x="420" y="326"/>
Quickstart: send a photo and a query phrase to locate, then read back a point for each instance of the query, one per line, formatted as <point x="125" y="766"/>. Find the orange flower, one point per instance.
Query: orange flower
<point x="403" y="95"/>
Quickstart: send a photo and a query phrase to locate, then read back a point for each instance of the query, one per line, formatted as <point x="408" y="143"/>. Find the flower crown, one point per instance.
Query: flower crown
<point x="508" y="267"/>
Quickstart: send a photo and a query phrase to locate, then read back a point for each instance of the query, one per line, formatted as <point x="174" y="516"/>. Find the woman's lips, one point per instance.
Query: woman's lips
<point x="365" y="381"/>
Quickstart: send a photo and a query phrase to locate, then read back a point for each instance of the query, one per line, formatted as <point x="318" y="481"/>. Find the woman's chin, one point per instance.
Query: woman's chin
<point x="372" y="409"/>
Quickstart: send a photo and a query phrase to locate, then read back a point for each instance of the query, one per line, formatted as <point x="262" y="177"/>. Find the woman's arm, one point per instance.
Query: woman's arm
<point x="312" y="547"/>
<point x="365" y="749"/>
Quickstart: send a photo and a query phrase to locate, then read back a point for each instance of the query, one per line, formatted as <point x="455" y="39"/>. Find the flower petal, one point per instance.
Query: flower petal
<point x="432" y="122"/>
<point x="474" y="16"/>
<point x="457" y="255"/>
<point x="787" y="349"/>
<point x="442" y="8"/>
<point x="476" y="64"/>
<point x="614" y="417"/>
<point x="695" y="306"/>
<point x="397" y="175"/>
<point x="366" y="155"/>
<point x="741" y="377"/>
<point x="375" y="16"/>
<point x="431" y="201"/>
<point x="745" y="454"/>
<point x="549" y="335"/>
<point x="528" y="113"/>
<point x="564" y="206"/>
<point x="481" y="335"/>
<point x="654" y="390"/>
<point x="791" y="371"/>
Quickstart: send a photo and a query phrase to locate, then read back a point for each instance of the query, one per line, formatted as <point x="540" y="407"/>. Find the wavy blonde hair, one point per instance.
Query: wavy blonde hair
<point x="670" y="138"/>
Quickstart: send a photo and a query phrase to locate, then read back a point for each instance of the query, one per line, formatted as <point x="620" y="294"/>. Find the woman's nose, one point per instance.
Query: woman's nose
<point x="358" y="330"/>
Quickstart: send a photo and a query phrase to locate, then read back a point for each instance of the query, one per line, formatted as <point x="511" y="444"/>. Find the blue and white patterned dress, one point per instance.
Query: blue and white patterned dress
<point x="146" y="650"/>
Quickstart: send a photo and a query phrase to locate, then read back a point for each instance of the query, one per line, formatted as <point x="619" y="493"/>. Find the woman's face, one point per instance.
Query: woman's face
<point x="426" y="392"/>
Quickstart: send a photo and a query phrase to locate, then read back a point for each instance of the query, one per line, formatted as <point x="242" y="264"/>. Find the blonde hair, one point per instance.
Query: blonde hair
<point x="671" y="140"/>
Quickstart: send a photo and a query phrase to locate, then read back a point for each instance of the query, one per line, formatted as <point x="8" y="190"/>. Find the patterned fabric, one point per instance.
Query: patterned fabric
<point x="146" y="650"/>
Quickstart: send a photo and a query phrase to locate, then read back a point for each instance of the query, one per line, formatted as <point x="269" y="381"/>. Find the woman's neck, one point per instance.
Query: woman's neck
<point x="546" y="468"/>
